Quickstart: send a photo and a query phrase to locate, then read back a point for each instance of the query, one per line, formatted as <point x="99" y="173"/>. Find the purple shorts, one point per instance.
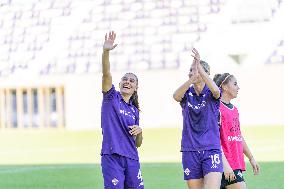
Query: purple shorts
<point x="120" y="172"/>
<point x="196" y="164"/>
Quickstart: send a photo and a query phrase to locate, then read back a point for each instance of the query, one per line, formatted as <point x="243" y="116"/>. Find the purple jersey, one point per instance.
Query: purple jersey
<point x="200" y="121"/>
<point x="116" y="116"/>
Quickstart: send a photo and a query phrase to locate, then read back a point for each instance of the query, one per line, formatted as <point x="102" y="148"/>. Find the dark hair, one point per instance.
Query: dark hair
<point x="222" y="79"/>
<point x="134" y="96"/>
<point x="134" y="99"/>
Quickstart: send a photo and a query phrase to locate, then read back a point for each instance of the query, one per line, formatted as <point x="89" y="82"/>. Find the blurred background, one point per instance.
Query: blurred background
<point x="50" y="78"/>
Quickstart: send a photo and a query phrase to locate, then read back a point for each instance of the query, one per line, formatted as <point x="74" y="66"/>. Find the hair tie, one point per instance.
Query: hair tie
<point x="225" y="80"/>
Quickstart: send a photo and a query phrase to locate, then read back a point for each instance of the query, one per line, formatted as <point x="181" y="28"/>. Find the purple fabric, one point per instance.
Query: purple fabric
<point x="116" y="116"/>
<point x="196" y="164"/>
<point x="121" y="172"/>
<point x="200" y="121"/>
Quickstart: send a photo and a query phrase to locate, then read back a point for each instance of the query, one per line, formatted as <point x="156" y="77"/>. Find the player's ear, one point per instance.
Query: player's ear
<point x="225" y="88"/>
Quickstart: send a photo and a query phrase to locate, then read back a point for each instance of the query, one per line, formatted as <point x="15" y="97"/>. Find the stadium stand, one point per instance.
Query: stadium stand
<point x="51" y="52"/>
<point x="27" y="30"/>
<point x="277" y="55"/>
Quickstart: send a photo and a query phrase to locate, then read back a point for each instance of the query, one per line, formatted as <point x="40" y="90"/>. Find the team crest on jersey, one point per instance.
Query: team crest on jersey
<point x="115" y="181"/>
<point x="236" y="125"/>
<point x="187" y="171"/>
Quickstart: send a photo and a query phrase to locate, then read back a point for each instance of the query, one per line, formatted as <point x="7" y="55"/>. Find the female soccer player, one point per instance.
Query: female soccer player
<point x="120" y="127"/>
<point x="233" y="144"/>
<point x="199" y="98"/>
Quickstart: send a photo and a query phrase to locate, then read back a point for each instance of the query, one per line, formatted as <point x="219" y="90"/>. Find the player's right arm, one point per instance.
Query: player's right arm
<point x="179" y="93"/>
<point x="107" y="47"/>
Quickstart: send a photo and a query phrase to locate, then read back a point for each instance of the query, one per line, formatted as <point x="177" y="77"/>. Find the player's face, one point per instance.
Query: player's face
<point x="128" y="84"/>
<point x="232" y="87"/>
<point x="193" y="71"/>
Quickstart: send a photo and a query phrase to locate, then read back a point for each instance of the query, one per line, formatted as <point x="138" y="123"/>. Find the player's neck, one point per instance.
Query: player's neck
<point x="226" y="99"/>
<point x="126" y="97"/>
<point x="198" y="87"/>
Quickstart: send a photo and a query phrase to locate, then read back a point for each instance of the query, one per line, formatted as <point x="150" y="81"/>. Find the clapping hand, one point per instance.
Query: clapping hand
<point x="193" y="74"/>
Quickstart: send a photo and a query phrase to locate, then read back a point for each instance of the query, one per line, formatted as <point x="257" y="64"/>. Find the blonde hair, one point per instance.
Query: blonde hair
<point x="222" y="79"/>
<point x="205" y="66"/>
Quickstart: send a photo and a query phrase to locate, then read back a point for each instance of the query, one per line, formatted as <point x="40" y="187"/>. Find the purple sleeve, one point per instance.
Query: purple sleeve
<point x="215" y="101"/>
<point x="137" y="118"/>
<point x="211" y="94"/>
<point x="109" y="94"/>
<point x="184" y="98"/>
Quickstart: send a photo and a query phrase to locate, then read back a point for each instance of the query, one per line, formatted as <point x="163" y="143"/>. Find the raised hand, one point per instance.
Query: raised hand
<point x="193" y="74"/>
<point x="109" y="41"/>
<point x="195" y="54"/>
<point x="196" y="57"/>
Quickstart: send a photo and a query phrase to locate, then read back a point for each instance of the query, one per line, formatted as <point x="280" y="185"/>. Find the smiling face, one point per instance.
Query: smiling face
<point x="128" y="84"/>
<point x="231" y="88"/>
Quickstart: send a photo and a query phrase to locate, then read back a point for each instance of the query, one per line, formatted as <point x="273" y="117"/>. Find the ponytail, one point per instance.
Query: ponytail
<point x="135" y="101"/>
<point x="134" y="96"/>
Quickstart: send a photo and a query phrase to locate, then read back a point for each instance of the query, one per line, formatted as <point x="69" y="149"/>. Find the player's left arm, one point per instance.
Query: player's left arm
<point x="205" y="76"/>
<point x="248" y="154"/>
<point x="139" y="139"/>
<point x="136" y="131"/>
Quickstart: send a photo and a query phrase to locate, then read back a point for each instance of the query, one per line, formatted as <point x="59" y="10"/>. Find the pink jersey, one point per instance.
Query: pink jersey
<point x="231" y="137"/>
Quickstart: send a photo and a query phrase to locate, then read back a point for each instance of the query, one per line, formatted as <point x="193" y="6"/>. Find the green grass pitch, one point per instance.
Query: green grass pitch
<point x="54" y="159"/>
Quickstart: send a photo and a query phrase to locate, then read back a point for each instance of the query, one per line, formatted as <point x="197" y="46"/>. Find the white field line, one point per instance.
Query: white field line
<point x="39" y="168"/>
